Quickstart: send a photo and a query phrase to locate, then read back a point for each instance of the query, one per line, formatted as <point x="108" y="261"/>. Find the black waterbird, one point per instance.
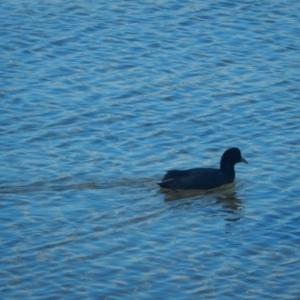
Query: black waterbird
<point x="204" y="178"/>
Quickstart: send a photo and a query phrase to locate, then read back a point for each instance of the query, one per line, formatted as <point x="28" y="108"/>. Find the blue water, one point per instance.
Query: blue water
<point x="98" y="99"/>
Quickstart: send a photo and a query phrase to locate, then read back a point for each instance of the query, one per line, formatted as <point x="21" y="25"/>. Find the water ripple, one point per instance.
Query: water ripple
<point x="99" y="100"/>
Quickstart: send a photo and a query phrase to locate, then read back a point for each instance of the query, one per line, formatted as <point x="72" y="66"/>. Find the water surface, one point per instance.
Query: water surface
<point x="99" y="99"/>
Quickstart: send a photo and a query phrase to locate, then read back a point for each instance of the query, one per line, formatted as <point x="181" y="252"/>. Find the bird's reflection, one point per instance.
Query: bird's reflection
<point x="230" y="205"/>
<point x="173" y="194"/>
<point x="224" y="199"/>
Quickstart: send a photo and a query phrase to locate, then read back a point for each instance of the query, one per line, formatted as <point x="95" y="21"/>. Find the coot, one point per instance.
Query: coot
<point x="204" y="178"/>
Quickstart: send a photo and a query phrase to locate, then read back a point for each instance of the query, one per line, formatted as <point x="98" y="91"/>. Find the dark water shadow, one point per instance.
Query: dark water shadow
<point x="45" y="187"/>
<point x="69" y="183"/>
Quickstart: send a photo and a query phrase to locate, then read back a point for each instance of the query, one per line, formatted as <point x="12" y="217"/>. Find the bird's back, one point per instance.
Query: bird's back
<point x="198" y="178"/>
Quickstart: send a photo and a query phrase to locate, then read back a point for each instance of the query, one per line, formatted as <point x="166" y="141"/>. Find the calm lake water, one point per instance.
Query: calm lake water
<point x="100" y="98"/>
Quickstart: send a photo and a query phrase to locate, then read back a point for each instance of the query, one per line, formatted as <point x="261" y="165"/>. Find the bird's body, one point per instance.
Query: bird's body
<point x="204" y="178"/>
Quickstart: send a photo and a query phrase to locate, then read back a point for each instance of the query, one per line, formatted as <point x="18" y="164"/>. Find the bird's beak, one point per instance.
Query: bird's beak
<point x="244" y="160"/>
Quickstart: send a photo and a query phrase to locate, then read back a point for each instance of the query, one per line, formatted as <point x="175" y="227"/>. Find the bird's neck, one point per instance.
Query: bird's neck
<point x="227" y="167"/>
